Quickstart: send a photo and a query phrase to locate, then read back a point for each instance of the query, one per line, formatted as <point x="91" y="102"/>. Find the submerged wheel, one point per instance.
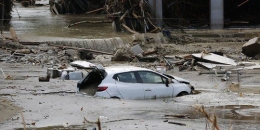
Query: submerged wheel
<point x="182" y="94"/>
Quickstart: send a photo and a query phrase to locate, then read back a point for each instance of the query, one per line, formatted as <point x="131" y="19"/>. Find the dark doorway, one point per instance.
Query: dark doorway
<point x="242" y="13"/>
<point x="186" y="13"/>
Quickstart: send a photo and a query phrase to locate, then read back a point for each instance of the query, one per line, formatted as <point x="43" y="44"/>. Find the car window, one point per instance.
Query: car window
<point x="150" y="77"/>
<point x="127" y="77"/>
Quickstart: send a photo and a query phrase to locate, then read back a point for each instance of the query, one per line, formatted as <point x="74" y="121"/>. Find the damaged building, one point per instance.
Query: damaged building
<point x="182" y="14"/>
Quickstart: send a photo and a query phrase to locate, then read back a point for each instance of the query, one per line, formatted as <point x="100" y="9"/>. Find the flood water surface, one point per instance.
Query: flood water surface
<point x="37" y="22"/>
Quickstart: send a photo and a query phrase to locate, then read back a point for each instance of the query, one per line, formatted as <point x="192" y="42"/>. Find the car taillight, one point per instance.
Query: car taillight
<point x="101" y="88"/>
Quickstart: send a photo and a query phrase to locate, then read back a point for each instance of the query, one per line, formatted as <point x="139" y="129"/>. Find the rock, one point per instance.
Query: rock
<point x="44" y="78"/>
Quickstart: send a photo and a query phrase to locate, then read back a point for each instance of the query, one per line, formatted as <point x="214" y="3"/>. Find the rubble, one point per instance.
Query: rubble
<point x="123" y="54"/>
<point x="213" y="58"/>
<point x="251" y="48"/>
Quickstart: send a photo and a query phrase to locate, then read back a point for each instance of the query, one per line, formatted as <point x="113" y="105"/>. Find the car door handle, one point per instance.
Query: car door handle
<point x="148" y="89"/>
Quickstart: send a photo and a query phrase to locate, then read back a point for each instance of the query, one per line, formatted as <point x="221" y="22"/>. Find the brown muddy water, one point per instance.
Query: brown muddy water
<point x="233" y="112"/>
<point x="238" y="114"/>
<point x="37" y="23"/>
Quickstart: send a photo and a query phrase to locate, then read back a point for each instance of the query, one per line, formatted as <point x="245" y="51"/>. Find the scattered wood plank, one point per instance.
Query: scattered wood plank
<point x="13" y="34"/>
<point x="94" y="11"/>
<point x="81" y="22"/>
<point x="176" y="123"/>
<point x="77" y="48"/>
<point x="3" y="73"/>
<point x="3" y="37"/>
<point x="30" y="43"/>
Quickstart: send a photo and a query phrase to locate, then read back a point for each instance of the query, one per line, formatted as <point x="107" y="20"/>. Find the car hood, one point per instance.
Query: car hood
<point x="180" y="79"/>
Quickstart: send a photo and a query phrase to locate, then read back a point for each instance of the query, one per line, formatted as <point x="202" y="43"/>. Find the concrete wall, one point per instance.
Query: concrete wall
<point x="156" y="6"/>
<point x="217" y="14"/>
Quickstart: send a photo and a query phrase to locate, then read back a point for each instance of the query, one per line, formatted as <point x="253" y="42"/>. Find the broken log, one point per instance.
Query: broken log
<point x="77" y="48"/>
<point x="3" y="73"/>
<point x="94" y="11"/>
<point x="122" y="54"/>
<point x="13" y="34"/>
<point x="176" y="123"/>
<point x="149" y="52"/>
<point x="24" y="51"/>
<point x="30" y="43"/>
<point x="3" y="37"/>
<point x="212" y="72"/>
<point x="77" y="23"/>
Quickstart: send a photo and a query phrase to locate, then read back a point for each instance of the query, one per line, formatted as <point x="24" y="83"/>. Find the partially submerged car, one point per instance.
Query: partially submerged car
<point x="128" y="82"/>
<point x="181" y="80"/>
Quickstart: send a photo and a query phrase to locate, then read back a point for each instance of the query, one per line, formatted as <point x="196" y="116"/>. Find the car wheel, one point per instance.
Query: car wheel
<point x="182" y="94"/>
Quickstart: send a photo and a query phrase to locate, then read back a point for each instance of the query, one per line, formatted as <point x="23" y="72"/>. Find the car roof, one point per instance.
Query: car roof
<point x="119" y="69"/>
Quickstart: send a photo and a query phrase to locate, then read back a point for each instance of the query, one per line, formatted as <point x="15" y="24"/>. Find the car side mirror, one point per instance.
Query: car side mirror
<point x="168" y="81"/>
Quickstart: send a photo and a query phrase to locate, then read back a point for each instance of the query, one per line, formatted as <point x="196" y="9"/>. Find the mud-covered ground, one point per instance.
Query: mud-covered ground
<point x="56" y="104"/>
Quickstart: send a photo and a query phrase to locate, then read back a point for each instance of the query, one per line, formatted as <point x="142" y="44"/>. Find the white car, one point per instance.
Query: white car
<point x="128" y="82"/>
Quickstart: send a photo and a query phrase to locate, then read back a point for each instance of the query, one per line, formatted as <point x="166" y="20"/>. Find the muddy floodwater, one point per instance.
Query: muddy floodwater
<point x="56" y="105"/>
<point x="37" y="21"/>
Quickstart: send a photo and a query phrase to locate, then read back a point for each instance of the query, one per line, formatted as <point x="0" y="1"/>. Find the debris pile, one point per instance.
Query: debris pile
<point x="147" y="50"/>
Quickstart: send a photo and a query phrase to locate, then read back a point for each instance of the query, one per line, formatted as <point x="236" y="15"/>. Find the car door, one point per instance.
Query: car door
<point x="128" y="86"/>
<point x="155" y="85"/>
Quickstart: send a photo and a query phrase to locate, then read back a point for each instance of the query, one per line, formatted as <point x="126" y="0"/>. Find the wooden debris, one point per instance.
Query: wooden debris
<point x="3" y="73"/>
<point x="81" y="22"/>
<point x="213" y="121"/>
<point x="24" y="51"/>
<point x="176" y="123"/>
<point x="24" y="124"/>
<point x="122" y="54"/>
<point x="94" y="11"/>
<point x="98" y="123"/>
<point x="76" y="48"/>
<point x="178" y="116"/>
<point x="54" y="10"/>
<point x="149" y="52"/>
<point x="134" y="16"/>
<point x="3" y="37"/>
<point x="14" y="45"/>
<point x="30" y="43"/>
<point x="13" y="34"/>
